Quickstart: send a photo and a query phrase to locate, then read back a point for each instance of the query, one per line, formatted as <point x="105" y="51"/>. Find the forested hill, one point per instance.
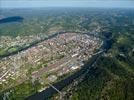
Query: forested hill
<point x="11" y="19"/>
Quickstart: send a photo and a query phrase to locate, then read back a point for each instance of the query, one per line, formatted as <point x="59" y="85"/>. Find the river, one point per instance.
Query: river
<point x="47" y="93"/>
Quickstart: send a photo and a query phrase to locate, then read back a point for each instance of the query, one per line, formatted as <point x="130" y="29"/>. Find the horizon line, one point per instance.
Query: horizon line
<point x="60" y="7"/>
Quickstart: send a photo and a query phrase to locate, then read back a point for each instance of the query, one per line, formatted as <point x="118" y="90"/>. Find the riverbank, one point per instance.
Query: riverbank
<point x="47" y="93"/>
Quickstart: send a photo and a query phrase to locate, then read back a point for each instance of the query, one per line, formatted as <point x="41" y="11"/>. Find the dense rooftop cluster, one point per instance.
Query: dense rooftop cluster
<point x="8" y="41"/>
<point x="61" y="54"/>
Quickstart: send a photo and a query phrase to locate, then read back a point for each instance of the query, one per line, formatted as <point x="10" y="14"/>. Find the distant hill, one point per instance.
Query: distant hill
<point x="11" y="19"/>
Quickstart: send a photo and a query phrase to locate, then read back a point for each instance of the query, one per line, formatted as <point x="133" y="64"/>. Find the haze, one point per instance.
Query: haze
<point x="66" y="3"/>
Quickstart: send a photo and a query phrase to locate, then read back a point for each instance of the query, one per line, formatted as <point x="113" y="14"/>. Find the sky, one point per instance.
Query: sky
<point x="66" y="3"/>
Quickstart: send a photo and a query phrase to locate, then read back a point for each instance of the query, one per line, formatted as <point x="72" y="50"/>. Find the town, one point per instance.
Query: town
<point x="53" y="58"/>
